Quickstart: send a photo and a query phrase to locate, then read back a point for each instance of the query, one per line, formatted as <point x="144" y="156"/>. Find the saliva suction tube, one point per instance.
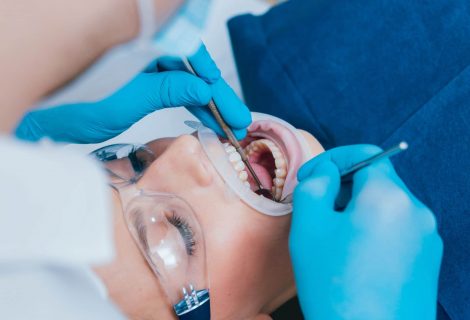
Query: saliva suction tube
<point x="166" y="230"/>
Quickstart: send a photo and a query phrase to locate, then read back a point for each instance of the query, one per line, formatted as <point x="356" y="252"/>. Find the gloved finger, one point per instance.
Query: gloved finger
<point x="151" y="91"/>
<point x="235" y="113"/>
<point x="232" y="109"/>
<point x="151" y="67"/>
<point x="201" y="61"/>
<point x="380" y="176"/>
<point x="378" y="190"/>
<point x="344" y="157"/>
<point x="206" y="117"/>
<point x="28" y="129"/>
<point x="320" y="188"/>
<point x="380" y="199"/>
<point x="204" y="65"/>
<point x="314" y="201"/>
<point x="169" y="63"/>
<point x="179" y="88"/>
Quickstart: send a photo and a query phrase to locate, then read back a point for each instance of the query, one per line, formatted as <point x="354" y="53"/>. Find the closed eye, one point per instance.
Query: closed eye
<point x="183" y="227"/>
<point x="186" y="232"/>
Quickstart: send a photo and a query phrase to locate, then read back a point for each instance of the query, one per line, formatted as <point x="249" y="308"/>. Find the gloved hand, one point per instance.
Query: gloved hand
<point x="378" y="259"/>
<point x="151" y="90"/>
<point x="233" y="110"/>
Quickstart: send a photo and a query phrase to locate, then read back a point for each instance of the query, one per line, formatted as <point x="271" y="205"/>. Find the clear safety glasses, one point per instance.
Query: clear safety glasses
<point x="164" y="225"/>
<point x="165" y="228"/>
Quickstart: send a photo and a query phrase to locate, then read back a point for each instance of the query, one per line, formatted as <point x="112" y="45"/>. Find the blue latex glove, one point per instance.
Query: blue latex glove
<point x="232" y="109"/>
<point x="151" y="90"/>
<point x="378" y="259"/>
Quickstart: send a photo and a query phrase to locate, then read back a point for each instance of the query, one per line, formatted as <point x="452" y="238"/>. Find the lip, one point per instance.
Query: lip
<point x="288" y="139"/>
<point x="288" y="142"/>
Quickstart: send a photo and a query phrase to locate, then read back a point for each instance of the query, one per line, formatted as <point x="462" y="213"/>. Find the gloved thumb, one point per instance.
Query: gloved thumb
<point x="344" y="157"/>
<point x="316" y="193"/>
<point x="205" y="66"/>
<point x="313" y="207"/>
<point x="28" y="129"/>
<point x="201" y="61"/>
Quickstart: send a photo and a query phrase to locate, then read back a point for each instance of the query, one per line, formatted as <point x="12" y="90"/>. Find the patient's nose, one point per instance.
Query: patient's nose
<point x="182" y="165"/>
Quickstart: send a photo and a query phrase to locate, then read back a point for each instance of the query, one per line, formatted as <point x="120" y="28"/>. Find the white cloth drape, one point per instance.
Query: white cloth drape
<point x="55" y="221"/>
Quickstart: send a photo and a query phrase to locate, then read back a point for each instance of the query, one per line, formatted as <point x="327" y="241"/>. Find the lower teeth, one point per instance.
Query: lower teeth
<point x="255" y="148"/>
<point x="280" y="173"/>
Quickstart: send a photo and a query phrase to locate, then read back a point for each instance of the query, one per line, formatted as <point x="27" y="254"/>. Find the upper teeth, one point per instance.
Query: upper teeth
<point x="254" y="147"/>
<point x="279" y="160"/>
<point x="237" y="163"/>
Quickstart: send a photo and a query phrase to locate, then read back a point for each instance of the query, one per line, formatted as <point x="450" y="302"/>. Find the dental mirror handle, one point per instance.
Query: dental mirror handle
<point x="233" y="140"/>
<point x="228" y="132"/>
<point x="345" y="192"/>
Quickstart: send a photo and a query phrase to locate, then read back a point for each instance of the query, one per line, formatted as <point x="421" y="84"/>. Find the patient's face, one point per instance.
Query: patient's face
<point x="247" y="252"/>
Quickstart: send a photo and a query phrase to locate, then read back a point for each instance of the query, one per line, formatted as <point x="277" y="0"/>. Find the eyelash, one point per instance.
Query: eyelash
<point x="186" y="232"/>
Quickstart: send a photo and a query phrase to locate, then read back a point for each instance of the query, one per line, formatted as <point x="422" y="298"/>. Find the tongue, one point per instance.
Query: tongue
<point x="263" y="176"/>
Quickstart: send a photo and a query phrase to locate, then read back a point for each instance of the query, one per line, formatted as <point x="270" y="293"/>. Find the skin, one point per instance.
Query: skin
<point x="47" y="43"/>
<point x="39" y="41"/>
<point x="247" y="252"/>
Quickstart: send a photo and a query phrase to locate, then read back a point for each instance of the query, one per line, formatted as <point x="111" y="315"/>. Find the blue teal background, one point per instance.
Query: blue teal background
<point x="377" y="72"/>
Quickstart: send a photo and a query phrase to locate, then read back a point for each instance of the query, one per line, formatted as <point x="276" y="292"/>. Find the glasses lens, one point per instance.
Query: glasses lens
<point x="171" y="239"/>
<point x="125" y="162"/>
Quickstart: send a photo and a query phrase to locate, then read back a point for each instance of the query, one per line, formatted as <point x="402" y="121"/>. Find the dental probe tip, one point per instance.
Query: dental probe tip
<point x="347" y="174"/>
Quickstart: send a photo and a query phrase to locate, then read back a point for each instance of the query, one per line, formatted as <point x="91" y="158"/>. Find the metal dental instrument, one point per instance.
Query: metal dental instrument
<point x="233" y="140"/>
<point x="345" y="192"/>
<point x="347" y="174"/>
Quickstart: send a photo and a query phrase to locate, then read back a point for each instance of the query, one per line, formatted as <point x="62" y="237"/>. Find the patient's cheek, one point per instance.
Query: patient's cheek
<point x="312" y="142"/>
<point x="230" y="269"/>
<point x="236" y="251"/>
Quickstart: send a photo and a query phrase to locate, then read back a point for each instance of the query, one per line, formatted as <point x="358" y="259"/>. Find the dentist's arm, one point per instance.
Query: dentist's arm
<point x="46" y="43"/>
<point x="378" y="259"/>
<point x="162" y="85"/>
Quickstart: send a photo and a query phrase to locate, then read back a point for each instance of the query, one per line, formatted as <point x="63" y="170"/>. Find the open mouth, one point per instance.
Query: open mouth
<point x="275" y="154"/>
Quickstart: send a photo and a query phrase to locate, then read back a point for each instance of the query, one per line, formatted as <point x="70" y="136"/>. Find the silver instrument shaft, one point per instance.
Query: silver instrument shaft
<point x="233" y="140"/>
<point x="228" y="132"/>
<point x="347" y="174"/>
<point x="345" y="192"/>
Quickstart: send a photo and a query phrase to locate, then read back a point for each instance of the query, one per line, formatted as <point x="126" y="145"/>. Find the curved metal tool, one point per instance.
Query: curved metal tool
<point x="347" y="174"/>
<point x="232" y="139"/>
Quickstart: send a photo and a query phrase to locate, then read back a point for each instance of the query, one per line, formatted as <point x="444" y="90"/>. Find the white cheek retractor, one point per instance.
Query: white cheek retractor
<point x="215" y="151"/>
